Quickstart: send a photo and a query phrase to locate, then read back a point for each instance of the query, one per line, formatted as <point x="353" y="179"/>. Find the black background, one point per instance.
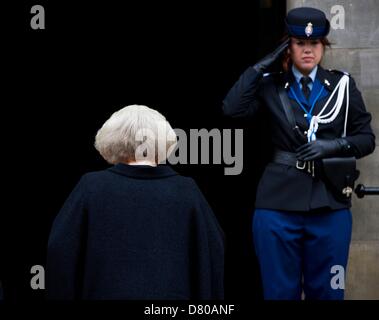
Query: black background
<point x="92" y="59"/>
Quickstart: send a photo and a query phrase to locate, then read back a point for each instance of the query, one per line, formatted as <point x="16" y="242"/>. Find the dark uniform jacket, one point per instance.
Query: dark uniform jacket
<point x="135" y="232"/>
<point x="285" y="187"/>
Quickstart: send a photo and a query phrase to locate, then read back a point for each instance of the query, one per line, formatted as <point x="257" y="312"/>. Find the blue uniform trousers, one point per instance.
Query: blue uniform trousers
<point x="302" y="252"/>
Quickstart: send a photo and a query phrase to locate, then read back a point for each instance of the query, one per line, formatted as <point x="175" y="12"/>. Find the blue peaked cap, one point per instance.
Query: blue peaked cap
<point x="307" y="23"/>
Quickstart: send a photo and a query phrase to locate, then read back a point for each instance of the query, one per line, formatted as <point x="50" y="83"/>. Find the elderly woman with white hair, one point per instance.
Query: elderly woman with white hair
<point x="137" y="230"/>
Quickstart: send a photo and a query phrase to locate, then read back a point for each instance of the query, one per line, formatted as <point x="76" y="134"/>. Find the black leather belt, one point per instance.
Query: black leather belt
<point x="289" y="159"/>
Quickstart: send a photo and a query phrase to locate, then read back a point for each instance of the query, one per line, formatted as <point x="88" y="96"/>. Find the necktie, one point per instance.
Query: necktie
<point x="304" y="82"/>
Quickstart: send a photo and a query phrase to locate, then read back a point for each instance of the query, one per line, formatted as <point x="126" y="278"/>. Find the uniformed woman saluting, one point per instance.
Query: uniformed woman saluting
<point x="302" y="222"/>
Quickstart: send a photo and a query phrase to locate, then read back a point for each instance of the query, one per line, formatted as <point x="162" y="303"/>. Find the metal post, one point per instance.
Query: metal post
<point x="362" y="191"/>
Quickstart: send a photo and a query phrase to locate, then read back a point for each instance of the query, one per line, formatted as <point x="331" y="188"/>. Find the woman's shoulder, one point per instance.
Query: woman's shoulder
<point x="93" y="179"/>
<point x="94" y="175"/>
<point x="337" y="72"/>
<point x="272" y="76"/>
<point x="186" y="182"/>
<point x="185" y="185"/>
<point x="272" y="79"/>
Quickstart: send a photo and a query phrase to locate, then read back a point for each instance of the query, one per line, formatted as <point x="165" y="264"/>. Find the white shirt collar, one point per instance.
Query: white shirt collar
<point x="298" y="75"/>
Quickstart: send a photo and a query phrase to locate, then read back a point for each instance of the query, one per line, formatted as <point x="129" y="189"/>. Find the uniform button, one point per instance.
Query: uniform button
<point x="305" y="132"/>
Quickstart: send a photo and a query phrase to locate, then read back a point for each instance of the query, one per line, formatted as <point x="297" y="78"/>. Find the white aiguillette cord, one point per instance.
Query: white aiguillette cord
<point x="342" y="86"/>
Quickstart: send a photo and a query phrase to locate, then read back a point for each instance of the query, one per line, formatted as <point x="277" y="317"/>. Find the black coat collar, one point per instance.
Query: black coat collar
<point x="143" y="171"/>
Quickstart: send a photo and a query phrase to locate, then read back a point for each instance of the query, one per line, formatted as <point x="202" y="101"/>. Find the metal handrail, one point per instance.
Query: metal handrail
<point x="362" y="191"/>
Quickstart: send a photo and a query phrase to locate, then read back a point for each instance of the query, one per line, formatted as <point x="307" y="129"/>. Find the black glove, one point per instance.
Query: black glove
<point x="320" y="149"/>
<point x="270" y="58"/>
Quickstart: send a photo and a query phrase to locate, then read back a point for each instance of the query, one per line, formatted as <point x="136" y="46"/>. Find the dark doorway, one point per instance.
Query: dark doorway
<point x="93" y="59"/>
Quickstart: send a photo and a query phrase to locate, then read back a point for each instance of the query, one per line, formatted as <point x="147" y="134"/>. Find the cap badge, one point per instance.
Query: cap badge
<point x="309" y="29"/>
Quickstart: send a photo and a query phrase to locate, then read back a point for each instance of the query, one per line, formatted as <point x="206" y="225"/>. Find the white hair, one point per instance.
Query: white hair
<point x="132" y="129"/>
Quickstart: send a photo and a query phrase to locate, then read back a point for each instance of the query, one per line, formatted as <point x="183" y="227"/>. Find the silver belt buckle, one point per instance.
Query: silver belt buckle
<point x="298" y="166"/>
<point x="347" y="191"/>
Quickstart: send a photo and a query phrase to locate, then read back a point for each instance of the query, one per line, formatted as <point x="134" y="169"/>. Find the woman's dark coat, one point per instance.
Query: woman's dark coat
<point x="135" y="232"/>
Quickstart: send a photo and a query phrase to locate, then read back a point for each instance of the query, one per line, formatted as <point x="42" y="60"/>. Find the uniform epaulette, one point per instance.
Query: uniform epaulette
<point x="272" y="74"/>
<point x="340" y="72"/>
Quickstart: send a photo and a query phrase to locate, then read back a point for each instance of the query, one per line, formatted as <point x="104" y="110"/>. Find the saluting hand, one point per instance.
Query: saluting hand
<point x="270" y="58"/>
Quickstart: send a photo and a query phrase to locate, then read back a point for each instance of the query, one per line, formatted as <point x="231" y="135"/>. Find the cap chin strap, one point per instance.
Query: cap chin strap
<point x="342" y="86"/>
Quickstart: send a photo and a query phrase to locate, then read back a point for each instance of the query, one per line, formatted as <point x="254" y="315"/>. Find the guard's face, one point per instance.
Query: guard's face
<point x="306" y="54"/>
